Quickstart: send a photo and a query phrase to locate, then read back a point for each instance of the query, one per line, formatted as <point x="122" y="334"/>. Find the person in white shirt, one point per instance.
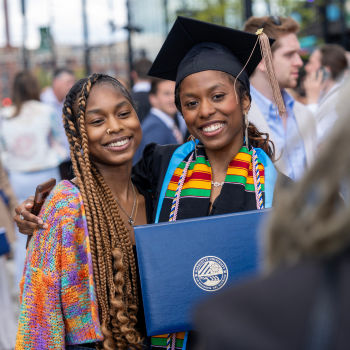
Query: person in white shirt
<point x="325" y="72"/>
<point x="63" y="80"/>
<point x="31" y="148"/>
<point x="293" y="134"/>
<point x="160" y="126"/>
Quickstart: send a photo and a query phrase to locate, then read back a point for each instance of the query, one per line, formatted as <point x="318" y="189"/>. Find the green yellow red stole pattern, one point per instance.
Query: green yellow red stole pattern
<point x="199" y="176"/>
<point x="160" y="341"/>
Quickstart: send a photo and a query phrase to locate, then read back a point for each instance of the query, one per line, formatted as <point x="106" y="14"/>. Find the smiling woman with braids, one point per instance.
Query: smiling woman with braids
<point x="80" y="283"/>
<point x="226" y="167"/>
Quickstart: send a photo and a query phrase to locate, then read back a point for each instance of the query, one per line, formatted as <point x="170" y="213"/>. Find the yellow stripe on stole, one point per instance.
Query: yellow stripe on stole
<point x="203" y="168"/>
<point x="237" y="171"/>
<point x="250" y="180"/>
<point x="243" y="157"/>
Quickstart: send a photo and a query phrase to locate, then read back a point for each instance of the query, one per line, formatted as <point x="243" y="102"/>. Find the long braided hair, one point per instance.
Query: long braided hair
<point x="256" y="138"/>
<point x="113" y="260"/>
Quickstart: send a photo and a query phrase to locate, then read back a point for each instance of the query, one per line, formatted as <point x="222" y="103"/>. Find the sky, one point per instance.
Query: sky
<point x="65" y="18"/>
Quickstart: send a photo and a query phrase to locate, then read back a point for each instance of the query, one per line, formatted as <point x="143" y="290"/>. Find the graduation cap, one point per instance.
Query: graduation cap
<point x="194" y="46"/>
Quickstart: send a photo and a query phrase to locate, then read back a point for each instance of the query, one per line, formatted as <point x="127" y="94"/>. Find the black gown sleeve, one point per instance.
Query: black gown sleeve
<point x="149" y="172"/>
<point x="142" y="171"/>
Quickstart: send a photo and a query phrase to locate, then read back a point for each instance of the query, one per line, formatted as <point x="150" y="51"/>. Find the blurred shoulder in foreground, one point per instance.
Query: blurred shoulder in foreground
<point x="289" y="309"/>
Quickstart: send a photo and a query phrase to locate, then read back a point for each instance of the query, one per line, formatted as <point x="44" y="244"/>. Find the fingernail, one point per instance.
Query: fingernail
<point x="45" y="226"/>
<point x="40" y="222"/>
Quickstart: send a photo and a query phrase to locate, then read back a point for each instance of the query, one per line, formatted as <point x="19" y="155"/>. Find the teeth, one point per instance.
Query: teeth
<point x="119" y="143"/>
<point x="213" y="127"/>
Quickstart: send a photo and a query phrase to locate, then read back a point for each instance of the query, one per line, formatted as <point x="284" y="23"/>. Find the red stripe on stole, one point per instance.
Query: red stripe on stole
<point x="239" y="164"/>
<point x="175" y="179"/>
<point x="261" y="173"/>
<point x="196" y="175"/>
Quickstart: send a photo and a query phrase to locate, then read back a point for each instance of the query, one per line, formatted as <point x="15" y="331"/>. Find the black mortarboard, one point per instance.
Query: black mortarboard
<point x="194" y="46"/>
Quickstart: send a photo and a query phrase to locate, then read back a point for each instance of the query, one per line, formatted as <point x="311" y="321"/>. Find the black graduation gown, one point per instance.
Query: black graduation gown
<point x="149" y="173"/>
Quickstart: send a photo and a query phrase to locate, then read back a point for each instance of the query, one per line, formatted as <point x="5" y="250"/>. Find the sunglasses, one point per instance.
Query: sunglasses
<point x="275" y="19"/>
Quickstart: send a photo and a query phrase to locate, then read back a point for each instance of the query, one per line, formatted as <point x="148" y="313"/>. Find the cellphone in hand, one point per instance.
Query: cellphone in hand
<point x="326" y="74"/>
<point x="41" y="193"/>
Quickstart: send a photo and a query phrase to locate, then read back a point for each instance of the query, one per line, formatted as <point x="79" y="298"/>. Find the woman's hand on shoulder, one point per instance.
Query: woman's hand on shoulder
<point x="30" y="222"/>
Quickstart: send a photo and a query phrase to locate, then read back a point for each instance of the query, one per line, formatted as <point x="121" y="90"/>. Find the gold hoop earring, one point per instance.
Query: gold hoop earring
<point x="108" y="131"/>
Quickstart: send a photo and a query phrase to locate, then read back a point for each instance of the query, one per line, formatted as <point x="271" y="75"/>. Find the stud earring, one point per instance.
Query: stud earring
<point x="108" y="131"/>
<point x="122" y="127"/>
<point x="246" y="121"/>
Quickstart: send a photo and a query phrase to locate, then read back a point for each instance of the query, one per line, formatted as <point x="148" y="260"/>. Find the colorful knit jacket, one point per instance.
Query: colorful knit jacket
<point x="58" y="299"/>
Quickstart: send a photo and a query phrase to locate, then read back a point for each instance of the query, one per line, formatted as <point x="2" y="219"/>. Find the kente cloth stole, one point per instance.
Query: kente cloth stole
<point x="199" y="176"/>
<point x="160" y="341"/>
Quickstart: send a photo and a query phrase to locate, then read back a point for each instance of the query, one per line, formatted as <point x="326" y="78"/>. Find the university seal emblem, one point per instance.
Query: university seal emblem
<point x="210" y="273"/>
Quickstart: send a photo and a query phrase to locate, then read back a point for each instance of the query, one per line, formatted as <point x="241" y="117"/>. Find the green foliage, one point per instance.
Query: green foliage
<point x="44" y="76"/>
<point x="222" y="12"/>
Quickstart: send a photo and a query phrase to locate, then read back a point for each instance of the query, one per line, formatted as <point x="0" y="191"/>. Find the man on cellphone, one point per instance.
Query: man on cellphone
<point x="293" y="134"/>
<point x="325" y="73"/>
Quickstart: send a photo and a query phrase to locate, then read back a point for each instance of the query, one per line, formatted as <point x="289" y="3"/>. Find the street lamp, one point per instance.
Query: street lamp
<point x="86" y="41"/>
<point x="24" y="33"/>
<point x="131" y="29"/>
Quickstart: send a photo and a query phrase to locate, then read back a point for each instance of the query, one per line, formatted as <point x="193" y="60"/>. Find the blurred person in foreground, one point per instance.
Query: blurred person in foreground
<point x="325" y="71"/>
<point x="31" y="146"/>
<point x="8" y="324"/>
<point x="63" y="80"/>
<point x="294" y="134"/>
<point x="159" y="126"/>
<point x="303" y="302"/>
<point x="142" y="87"/>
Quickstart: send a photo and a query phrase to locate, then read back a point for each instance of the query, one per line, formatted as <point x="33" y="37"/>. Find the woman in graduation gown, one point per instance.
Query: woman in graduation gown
<point x="227" y="166"/>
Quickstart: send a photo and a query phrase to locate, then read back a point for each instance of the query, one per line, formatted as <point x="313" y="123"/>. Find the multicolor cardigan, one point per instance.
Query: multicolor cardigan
<point x="58" y="300"/>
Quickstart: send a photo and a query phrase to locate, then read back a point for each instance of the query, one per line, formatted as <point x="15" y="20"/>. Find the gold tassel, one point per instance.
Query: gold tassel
<point x="270" y="71"/>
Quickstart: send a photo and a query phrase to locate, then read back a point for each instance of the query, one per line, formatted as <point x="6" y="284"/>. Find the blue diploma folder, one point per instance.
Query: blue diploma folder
<point x="4" y="245"/>
<point x="183" y="262"/>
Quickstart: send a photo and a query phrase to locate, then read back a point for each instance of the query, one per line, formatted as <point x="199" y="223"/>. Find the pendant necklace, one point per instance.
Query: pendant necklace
<point x="217" y="184"/>
<point x="131" y="221"/>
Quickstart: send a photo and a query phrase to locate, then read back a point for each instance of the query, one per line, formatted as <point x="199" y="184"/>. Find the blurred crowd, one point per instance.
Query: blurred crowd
<point x="34" y="146"/>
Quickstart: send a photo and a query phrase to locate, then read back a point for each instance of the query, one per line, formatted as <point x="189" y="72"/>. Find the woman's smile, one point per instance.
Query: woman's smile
<point x="212" y="128"/>
<point x="118" y="144"/>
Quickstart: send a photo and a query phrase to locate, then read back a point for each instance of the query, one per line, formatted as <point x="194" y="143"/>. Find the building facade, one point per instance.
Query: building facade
<point x="108" y="59"/>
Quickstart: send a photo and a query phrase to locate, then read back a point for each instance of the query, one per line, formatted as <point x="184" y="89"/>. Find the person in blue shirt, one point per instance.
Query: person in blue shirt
<point x="160" y="126"/>
<point x="293" y="134"/>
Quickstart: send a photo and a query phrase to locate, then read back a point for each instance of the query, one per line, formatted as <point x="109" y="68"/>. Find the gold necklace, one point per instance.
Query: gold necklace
<point x="131" y="221"/>
<point x="137" y="205"/>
